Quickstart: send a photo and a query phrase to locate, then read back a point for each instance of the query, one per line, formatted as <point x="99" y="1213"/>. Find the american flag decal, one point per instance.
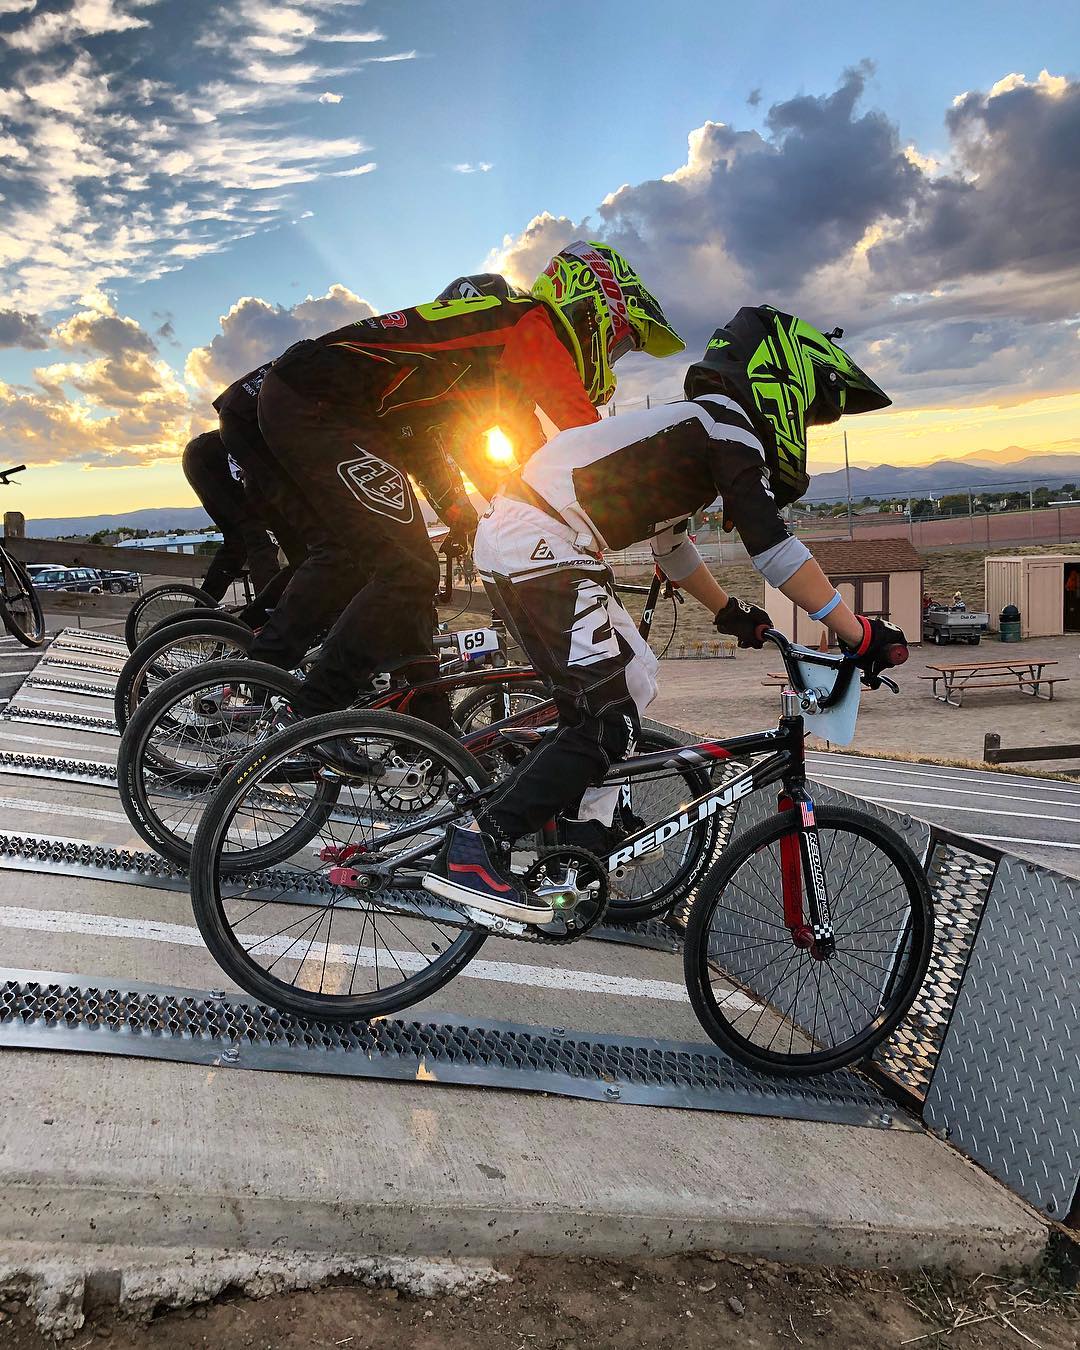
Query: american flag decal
<point x="806" y="809"/>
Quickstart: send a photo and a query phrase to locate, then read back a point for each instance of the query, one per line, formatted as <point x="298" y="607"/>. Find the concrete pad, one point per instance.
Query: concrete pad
<point x="183" y="1157"/>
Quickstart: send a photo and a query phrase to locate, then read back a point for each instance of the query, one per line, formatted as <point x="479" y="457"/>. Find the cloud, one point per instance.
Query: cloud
<point x="481" y="166"/>
<point x="22" y="330"/>
<point x="1011" y="197"/>
<point x="392" y="56"/>
<point x="330" y="98"/>
<point x="85" y="18"/>
<point x="358" y="171"/>
<point x="953" y="274"/>
<point x="121" y="405"/>
<point x="255" y="331"/>
<point x="113" y="169"/>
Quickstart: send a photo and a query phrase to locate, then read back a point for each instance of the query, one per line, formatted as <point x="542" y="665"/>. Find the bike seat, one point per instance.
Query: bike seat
<point x="412" y="669"/>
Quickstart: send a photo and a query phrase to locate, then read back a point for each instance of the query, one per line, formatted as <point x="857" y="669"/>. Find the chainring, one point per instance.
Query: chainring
<point x="564" y="871"/>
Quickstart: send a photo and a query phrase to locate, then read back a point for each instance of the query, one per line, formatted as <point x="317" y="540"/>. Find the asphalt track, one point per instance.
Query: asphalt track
<point x="1037" y="818"/>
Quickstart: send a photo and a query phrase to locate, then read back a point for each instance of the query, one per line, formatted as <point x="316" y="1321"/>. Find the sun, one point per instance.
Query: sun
<point x="500" y="448"/>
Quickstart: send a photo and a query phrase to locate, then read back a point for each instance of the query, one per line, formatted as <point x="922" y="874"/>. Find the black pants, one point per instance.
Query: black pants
<point x="370" y="556"/>
<point x="245" y="542"/>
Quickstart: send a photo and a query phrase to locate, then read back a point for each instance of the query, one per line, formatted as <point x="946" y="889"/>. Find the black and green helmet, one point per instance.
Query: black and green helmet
<point x="788" y="375"/>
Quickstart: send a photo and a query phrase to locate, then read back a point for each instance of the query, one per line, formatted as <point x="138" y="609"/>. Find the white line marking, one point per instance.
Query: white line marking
<point x="978" y="810"/>
<point x="962" y="792"/>
<point x="6" y="735"/>
<point x="498" y="972"/>
<point x="1007" y="839"/>
<point x="40" y="701"/>
<point x="983" y="776"/>
<point x="40" y="808"/>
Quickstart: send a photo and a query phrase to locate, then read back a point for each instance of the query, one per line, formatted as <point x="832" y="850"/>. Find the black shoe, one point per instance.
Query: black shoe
<point x="340" y="755"/>
<point x="468" y="869"/>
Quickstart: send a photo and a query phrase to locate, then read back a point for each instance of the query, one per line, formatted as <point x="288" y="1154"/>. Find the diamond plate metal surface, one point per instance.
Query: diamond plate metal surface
<point x="1006" y="1089"/>
<point x="959" y="882"/>
<point x="57" y="768"/>
<point x="64" y="1012"/>
<point x="50" y="661"/>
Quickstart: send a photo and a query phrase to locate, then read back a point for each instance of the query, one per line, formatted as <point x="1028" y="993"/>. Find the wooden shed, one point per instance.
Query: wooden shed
<point x="1045" y="588"/>
<point x="878" y="578"/>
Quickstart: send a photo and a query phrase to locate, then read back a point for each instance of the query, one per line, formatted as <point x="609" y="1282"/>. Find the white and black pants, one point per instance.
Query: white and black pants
<point x="561" y="602"/>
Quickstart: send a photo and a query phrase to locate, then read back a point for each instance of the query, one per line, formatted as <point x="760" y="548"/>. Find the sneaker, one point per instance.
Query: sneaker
<point x="468" y="870"/>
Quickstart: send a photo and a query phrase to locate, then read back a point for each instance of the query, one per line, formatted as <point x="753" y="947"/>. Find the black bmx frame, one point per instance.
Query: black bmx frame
<point x="783" y="761"/>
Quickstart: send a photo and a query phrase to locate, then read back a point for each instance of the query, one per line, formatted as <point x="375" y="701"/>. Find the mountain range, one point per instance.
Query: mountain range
<point x="156" y="519"/>
<point x="947" y="475"/>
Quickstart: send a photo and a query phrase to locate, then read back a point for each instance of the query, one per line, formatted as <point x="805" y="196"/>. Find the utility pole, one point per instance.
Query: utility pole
<point x="847" y="478"/>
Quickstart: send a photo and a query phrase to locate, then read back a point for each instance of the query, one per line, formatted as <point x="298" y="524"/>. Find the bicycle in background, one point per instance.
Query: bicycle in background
<point x="20" y="607"/>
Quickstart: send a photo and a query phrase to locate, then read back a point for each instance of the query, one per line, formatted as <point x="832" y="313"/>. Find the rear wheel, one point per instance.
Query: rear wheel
<point x="20" y="608"/>
<point x="652" y="886"/>
<point x="308" y="939"/>
<point x="153" y="606"/>
<point x="776" y="1001"/>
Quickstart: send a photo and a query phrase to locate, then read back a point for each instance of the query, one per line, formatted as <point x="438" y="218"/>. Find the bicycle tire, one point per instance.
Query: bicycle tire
<point x="904" y="972"/>
<point x="150" y="659"/>
<point x="25" y="621"/>
<point x="146" y="792"/>
<point x="208" y="904"/>
<point x="486" y="704"/>
<point x="142" y="615"/>
<point x="196" y="612"/>
<point x="698" y="844"/>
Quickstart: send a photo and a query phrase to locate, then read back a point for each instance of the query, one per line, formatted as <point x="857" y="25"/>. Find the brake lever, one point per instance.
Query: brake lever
<point x="876" y="681"/>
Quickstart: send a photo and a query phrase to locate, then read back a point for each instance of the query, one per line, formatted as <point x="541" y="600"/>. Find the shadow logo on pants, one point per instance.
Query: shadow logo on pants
<point x="378" y="486"/>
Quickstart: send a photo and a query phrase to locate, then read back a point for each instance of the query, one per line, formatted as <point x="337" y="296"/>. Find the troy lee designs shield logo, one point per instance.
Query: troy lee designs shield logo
<point x="378" y="485"/>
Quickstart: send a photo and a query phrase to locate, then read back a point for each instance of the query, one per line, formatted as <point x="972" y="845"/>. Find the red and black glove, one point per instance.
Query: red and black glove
<point x="883" y="645"/>
<point x="462" y="519"/>
<point x="743" y="621"/>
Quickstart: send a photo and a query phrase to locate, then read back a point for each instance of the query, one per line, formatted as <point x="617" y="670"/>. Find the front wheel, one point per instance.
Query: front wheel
<point x="20" y="608"/>
<point x="152" y="606"/>
<point x="780" y="1006"/>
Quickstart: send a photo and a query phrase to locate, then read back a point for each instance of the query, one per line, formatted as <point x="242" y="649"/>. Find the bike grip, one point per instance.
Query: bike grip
<point x="760" y="631"/>
<point x="897" y="654"/>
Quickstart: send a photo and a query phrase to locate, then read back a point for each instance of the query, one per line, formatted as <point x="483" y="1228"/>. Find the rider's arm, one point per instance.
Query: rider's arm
<point x="544" y="372"/>
<point x="811" y="590"/>
<point x="676" y="555"/>
<point x="704" y="587"/>
<point x="437" y="473"/>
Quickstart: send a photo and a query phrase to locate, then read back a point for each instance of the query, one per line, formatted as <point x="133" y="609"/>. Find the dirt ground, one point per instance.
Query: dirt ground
<point x="693" y="1303"/>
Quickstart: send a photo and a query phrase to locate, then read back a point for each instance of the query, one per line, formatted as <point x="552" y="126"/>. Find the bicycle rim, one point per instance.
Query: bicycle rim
<point x="304" y="938"/>
<point x="20" y="607"/>
<point x="776" y="1006"/>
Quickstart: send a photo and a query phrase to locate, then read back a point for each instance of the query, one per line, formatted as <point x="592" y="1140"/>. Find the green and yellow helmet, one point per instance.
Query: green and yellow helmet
<point x="788" y="375"/>
<point x="604" y="312"/>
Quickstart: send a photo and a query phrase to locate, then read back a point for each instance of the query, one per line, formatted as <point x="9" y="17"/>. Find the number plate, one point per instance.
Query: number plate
<point x="474" y="641"/>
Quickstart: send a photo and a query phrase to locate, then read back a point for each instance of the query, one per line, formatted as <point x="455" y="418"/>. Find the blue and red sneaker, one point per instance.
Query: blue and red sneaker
<point x="468" y="870"/>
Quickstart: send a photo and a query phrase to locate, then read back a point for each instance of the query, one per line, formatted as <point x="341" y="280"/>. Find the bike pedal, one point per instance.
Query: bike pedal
<point x="496" y="923"/>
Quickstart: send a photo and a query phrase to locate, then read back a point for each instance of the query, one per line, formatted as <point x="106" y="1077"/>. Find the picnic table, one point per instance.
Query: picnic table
<point x="1026" y="676"/>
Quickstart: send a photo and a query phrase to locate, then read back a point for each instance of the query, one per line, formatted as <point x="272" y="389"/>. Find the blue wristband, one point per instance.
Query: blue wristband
<point x="837" y="599"/>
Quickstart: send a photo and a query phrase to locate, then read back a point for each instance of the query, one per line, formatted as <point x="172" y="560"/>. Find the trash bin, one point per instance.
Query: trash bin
<point x="1009" y="624"/>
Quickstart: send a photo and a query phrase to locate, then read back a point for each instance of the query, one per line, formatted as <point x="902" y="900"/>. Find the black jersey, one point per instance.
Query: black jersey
<point x="639" y="476"/>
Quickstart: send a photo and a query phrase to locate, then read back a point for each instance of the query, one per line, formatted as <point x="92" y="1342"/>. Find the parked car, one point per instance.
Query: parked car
<point x="84" y="579"/>
<point x="35" y="568"/>
<point x="117" y="583"/>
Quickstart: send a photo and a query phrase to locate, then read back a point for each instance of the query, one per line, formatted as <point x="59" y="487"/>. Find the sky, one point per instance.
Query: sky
<point x="187" y="187"/>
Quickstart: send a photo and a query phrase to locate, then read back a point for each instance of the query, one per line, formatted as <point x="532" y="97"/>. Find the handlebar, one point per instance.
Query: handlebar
<point x="5" y="474"/>
<point x="844" y="665"/>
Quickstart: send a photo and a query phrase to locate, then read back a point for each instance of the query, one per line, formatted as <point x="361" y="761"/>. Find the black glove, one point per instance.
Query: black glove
<point x="743" y="621"/>
<point x="883" y="645"/>
<point x="462" y="519"/>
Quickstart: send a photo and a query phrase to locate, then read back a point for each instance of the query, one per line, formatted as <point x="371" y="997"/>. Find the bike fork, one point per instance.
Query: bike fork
<point x="800" y="856"/>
